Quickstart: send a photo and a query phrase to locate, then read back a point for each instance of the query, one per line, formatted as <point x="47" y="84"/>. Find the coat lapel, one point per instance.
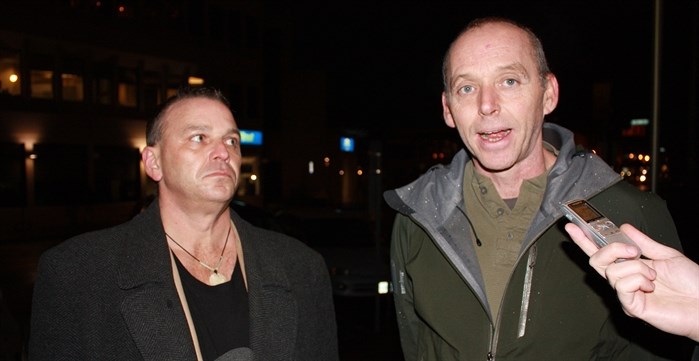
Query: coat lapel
<point x="273" y="311"/>
<point x="151" y="307"/>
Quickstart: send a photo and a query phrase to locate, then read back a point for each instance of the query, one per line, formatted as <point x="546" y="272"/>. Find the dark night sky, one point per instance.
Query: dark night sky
<point x="383" y="61"/>
<point x="384" y="58"/>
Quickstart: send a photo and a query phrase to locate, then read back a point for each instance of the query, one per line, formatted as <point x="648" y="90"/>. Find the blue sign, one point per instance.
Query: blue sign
<point x="347" y="144"/>
<point x="250" y="137"/>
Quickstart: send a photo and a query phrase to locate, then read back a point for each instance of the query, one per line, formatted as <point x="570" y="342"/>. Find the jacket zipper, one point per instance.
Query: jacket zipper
<point x="526" y="294"/>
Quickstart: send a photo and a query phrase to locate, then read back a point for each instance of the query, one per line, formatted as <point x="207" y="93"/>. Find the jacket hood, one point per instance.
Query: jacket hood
<point x="435" y="200"/>
<point x="439" y="190"/>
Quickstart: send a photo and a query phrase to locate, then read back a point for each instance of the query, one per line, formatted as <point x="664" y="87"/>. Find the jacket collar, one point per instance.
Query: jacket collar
<point x="151" y="307"/>
<point x="435" y="199"/>
<point x="273" y="311"/>
<point x="575" y="174"/>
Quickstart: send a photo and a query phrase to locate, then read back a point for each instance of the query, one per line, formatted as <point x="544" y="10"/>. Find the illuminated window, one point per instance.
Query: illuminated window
<point x="72" y="87"/>
<point x="170" y="92"/>
<point x="41" y="84"/>
<point x="195" y="81"/>
<point x="127" y="95"/>
<point x="9" y="75"/>
<point x="126" y="89"/>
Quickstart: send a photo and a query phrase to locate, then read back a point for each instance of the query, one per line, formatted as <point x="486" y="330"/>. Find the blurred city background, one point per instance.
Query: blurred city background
<point x="338" y="101"/>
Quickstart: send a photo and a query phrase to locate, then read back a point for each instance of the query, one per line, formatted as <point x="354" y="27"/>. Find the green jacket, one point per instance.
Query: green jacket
<point x="555" y="305"/>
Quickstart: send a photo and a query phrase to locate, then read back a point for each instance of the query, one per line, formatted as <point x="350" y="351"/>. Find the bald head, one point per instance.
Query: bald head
<point x="536" y="49"/>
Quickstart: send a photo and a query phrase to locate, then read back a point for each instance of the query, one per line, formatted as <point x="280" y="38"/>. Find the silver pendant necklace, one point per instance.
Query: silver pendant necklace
<point x="215" y="278"/>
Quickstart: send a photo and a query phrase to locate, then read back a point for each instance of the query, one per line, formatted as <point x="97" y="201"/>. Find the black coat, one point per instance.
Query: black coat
<point x="110" y="295"/>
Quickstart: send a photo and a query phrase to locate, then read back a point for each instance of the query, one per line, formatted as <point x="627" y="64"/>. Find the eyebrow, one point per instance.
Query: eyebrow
<point x="191" y="128"/>
<point x="194" y="128"/>
<point x="516" y="67"/>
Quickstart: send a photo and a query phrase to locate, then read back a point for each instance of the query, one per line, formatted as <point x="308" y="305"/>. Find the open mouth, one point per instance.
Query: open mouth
<point x="494" y="136"/>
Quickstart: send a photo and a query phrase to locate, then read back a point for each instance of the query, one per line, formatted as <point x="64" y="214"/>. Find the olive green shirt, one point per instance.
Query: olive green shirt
<point x="499" y="228"/>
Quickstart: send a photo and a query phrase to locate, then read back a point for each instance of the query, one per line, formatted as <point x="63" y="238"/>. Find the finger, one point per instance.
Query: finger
<point x="612" y="253"/>
<point x="629" y="270"/>
<point x="651" y="249"/>
<point x="634" y="282"/>
<point x="577" y="235"/>
<point x="633" y="293"/>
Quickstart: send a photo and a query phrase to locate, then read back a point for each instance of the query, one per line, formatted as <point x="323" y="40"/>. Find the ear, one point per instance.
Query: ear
<point x="446" y="112"/>
<point x="550" y="94"/>
<point x="151" y="163"/>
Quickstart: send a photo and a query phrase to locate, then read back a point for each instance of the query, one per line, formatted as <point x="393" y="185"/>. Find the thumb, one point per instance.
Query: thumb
<point x="649" y="247"/>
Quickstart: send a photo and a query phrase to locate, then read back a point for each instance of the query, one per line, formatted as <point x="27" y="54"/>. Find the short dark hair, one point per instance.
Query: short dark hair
<point x="154" y="127"/>
<point x="537" y="47"/>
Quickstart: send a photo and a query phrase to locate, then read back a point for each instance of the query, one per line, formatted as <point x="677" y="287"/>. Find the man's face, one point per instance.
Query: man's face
<point x="495" y="97"/>
<point x="198" y="158"/>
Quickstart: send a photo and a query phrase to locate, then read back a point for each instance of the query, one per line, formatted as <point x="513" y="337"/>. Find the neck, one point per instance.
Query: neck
<point x="206" y="225"/>
<point x="211" y="258"/>
<point x="509" y="182"/>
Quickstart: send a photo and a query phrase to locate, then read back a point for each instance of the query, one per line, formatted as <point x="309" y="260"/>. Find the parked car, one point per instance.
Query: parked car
<point x="355" y="255"/>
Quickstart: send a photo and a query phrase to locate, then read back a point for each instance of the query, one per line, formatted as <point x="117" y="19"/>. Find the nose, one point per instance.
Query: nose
<point x="220" y="151"/>
<point x="488" y="101"/>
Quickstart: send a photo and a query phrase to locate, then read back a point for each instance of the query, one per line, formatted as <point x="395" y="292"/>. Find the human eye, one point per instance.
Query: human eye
<point x="198" y="138"/>
<point x="510" y="82"/>
<point x="233" y="142"/>
<point x="466" y="89"/>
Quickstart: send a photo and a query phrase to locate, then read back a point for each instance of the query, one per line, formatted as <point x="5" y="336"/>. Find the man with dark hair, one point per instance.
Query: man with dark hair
<point x="187" y="278"/>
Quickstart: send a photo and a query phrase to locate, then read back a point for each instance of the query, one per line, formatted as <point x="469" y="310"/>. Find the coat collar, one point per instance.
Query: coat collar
<point x="273" y="310"/>
<point x="152" y="310"/>
<point x="151" y="306"/>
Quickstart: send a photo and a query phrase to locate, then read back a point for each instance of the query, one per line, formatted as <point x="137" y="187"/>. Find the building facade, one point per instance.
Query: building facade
<point x="78" y="81"/>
